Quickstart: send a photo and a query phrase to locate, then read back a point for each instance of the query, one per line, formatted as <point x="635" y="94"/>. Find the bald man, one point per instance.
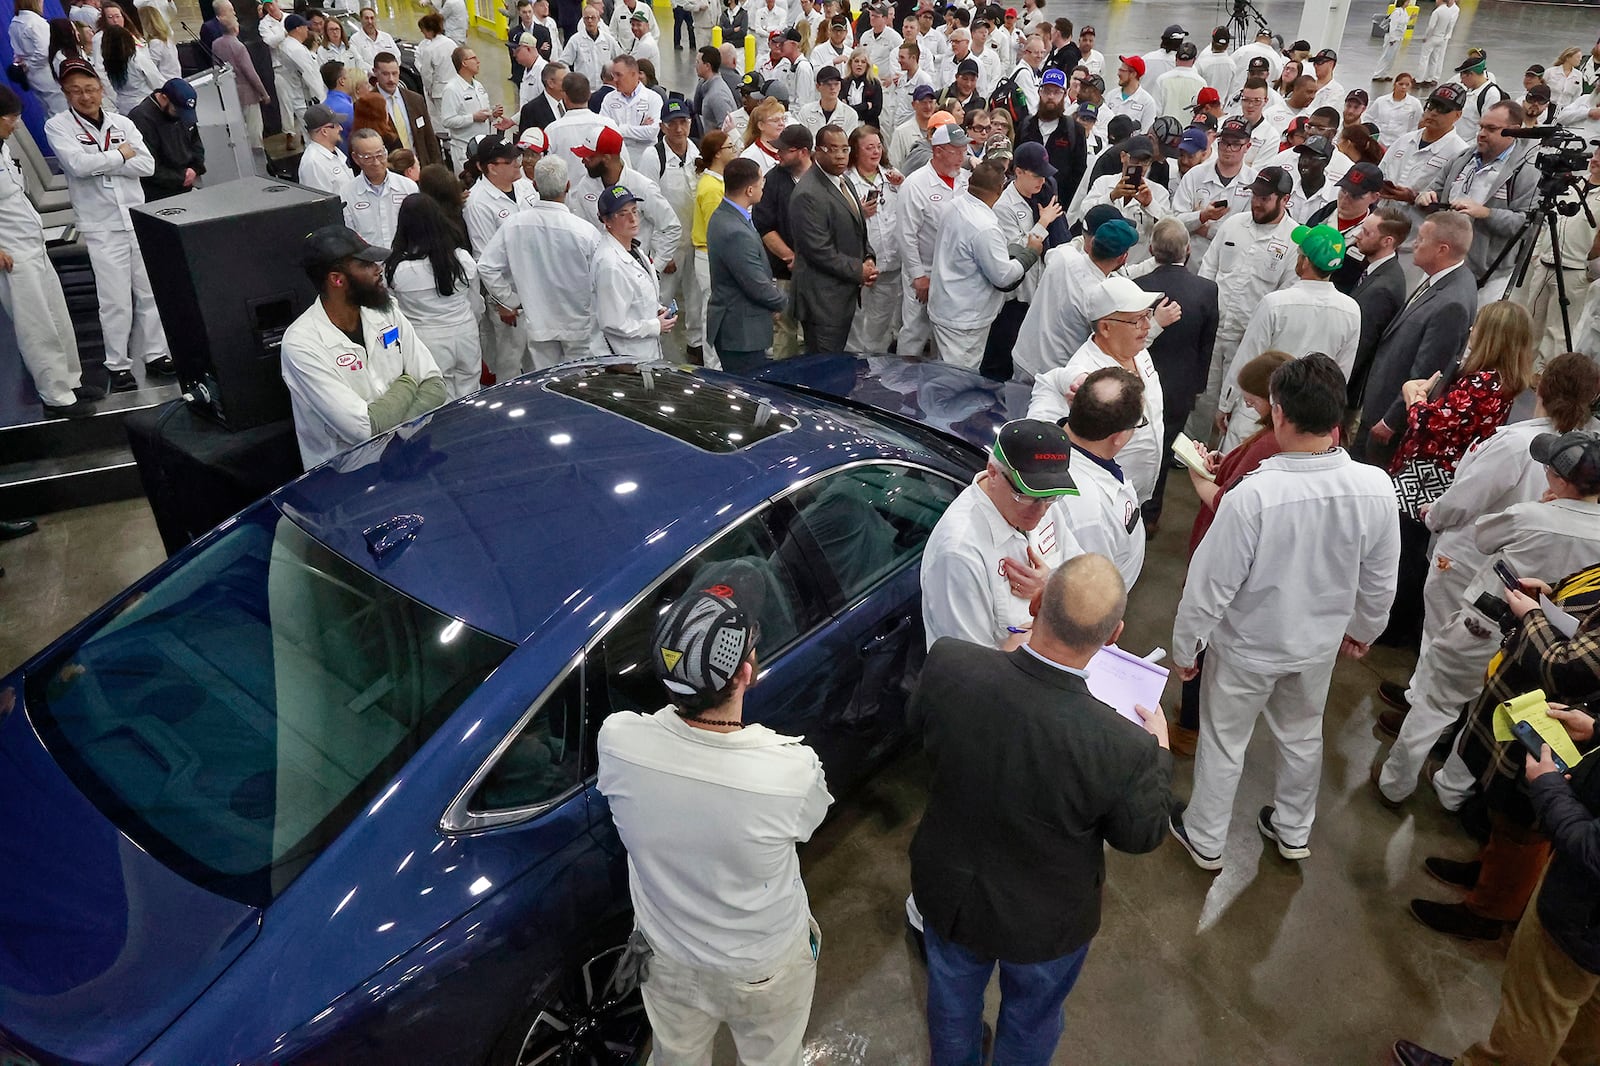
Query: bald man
<point x="1032" y="777"/>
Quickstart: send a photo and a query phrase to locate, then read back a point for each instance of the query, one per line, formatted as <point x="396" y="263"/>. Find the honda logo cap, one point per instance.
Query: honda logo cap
<point x="1035" y="455"/>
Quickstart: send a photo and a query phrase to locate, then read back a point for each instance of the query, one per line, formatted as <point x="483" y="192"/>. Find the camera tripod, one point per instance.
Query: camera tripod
<point x="1546" y="214"/>
<point x="1239" y="23"/>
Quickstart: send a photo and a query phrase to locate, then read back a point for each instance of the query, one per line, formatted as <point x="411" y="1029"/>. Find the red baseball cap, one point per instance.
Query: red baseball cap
<point x="1207" y="96"/>
<point x="604" y="140"/>
<point x="1133" y="63"/>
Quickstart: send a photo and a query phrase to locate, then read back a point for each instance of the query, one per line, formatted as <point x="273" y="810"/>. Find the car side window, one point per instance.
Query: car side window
<point x="866" y="522"/>
<point x="542" y="762"/>
<point x="746" y="557"/>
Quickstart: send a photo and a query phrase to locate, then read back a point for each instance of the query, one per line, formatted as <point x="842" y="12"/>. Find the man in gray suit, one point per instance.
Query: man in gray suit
<point x="1428" y="334"/>
<point x="1493" y="185"/>
<point x="744" y="295"/>
<point x="832" y="257"/>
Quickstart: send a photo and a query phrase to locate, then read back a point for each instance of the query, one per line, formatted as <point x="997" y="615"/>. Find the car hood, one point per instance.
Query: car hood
<point x="101" y="946"/>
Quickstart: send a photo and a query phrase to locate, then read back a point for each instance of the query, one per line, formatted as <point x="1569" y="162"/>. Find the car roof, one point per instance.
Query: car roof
<point x="535" y="505"/>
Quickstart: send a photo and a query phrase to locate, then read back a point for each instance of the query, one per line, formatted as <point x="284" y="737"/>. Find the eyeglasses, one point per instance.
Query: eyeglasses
<point x="1484" y="127"/>
<point x="1143" y="317"/>
<point x="981" y="127"/>
<point x="372" y="157"/>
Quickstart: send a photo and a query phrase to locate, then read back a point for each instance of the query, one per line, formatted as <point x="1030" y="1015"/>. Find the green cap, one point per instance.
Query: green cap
<point x="1323" y="245"/>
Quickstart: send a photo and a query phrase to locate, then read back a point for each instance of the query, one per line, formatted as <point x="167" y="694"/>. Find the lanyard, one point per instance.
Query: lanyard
<point x="109" y="127"/>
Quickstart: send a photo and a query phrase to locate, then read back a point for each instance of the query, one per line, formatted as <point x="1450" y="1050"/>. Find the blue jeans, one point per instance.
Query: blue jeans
<point x="1031" y="998"/>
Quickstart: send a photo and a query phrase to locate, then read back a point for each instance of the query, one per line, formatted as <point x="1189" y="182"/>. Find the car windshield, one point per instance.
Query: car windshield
<point x="233" y="718"/>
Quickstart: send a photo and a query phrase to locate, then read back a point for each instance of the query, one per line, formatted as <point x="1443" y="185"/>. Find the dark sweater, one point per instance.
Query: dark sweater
<point x="176" y="148"/>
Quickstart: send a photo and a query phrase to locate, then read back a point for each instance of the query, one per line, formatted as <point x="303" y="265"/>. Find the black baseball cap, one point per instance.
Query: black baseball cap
<point x="1258" y="63"/>
<point x="1274" y="180"/>
<point x="491" y="148"/>
<point x="1035" y="455"/>
<point x="1447" y="97"/>
<point x="1362" y="178"/>
<point x="753" y="84"/>
<point x="1575" y="456"/>
<point x="1327" y="55"/>
<point x="968" y="66"/>
<point x="1031" y="156"/>
<point x="1220" y="35"/>
<point x="1139" y="147"/>
<point x="1320" y="146"/>
<point x="1477" y="59"/>
<point x="334" y="244"/>
<point x="705" y="637"/>
<point x="1187" y="50"/>
<point x="1235" y="128"/>
<point x="828" y="73"/>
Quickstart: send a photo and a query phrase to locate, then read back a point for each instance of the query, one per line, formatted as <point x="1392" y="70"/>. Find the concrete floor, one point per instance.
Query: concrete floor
<point x="1310" y="964"/>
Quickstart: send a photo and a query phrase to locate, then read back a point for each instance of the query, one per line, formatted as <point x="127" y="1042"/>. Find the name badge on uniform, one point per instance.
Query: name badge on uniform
<point x="391" y="337"/>
<point x="420" y="121"/>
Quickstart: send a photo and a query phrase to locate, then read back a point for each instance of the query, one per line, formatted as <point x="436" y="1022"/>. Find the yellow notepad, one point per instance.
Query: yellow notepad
<point x="1531" y="707"/>
<point x="1183" y="447"/>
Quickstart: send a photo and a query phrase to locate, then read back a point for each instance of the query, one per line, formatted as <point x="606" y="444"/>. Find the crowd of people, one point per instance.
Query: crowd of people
<point x="1331" y="295"/>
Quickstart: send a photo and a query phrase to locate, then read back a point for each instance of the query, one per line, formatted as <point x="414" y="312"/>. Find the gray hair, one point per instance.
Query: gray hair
<point x="1169" y="242"/>
<point x="550" y="178"/>
<point x="1453" y="229"/>
<point x="366" y="133"/>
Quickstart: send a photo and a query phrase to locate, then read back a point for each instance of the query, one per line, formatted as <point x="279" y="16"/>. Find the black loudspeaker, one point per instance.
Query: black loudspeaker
<point x="224" y="263"/>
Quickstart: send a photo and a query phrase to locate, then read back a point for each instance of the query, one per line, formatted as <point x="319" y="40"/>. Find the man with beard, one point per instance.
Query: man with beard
<point x="353" y="364"/>
<point x="1063" y="139"/>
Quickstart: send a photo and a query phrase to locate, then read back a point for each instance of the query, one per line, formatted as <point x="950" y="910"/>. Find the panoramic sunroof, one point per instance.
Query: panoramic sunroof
<point x="678" y="402"/>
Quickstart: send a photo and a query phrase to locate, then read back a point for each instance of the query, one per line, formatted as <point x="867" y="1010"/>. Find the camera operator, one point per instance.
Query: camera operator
<point x="1493" y="185"/>
<point x="1576" y="233"/>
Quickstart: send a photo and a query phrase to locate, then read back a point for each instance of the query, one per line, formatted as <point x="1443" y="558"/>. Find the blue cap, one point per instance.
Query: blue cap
<point x="1193" y="140"/>
<point x="1031" y="156"/>
<point x="614" y="199"/>
<point x="1088" y="110"/>
<point x="674" y="108"/>
<point x="1098" y="216"/>
<point x="294" y="22"/>
<point x="1054" y="76"/>
<point x="1114" y="237"/>
<point x="180" y="94"/>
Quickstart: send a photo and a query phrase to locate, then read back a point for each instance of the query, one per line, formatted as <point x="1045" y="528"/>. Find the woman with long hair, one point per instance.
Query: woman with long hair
<point x="861" y="90"/>
<point x="31" y="39"/>
<point x="439" y="183"/>
<point x="435" y="282"/>
<point x="1565" y="79"/>
<point x="716" y="149"/>
<point x="66" y="42"/>
<point x="877" y="321"/>
<point x="128" y="69"/>
<point x="1359" y="145"/>
<point x="1286" y="78"/>
<point x="334" y="46"/>
<point x="372" y="113"/>
<point x="761" y="133"/>
<point x="432" y="59"/>
<point x="158" y="43"/>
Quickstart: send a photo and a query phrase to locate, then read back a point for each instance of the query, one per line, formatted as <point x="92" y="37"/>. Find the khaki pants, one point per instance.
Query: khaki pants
<point x="786" y="332"/>
<point x="1539" y="295"/>
<point x="767" y="1017"/>
<point x="1549" y="1006"/>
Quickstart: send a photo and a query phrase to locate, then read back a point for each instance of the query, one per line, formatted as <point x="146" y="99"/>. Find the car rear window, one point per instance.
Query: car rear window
<point x="233" y="718"/>
<point x="677" y="402"/>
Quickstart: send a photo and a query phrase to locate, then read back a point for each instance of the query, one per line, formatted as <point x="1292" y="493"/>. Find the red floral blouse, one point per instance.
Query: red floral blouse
<point x="1441" y="429"/>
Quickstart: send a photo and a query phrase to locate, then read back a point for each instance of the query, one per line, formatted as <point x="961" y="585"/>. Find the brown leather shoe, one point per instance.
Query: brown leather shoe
<point x="1390" y="721"/>
<point x="1377" y="789"/>
<point x="1183" y="741"/>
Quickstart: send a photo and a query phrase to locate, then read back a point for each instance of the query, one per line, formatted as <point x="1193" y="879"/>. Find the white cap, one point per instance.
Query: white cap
<point x="1118" y="295"/>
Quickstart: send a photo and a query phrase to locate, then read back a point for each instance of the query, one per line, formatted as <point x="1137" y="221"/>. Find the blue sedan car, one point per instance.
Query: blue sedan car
<point x="320" y="789"/>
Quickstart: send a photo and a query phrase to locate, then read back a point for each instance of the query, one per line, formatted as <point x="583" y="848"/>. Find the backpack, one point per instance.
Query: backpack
<point x="1008" y="96"/>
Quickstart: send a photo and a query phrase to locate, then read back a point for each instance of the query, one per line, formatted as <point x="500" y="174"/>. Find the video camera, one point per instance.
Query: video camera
<point x="1562" y="157"/>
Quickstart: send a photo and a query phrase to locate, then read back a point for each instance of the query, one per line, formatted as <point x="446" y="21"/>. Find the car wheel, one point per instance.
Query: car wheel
<point x="579" y="1020"/>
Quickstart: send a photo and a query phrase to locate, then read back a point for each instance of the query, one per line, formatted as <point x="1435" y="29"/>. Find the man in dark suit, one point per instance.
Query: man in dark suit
<point x="744" y="296"/>
<point x="1380" y="291"/>
<point x="832" y="257"/>
<point x="1182" y="354"/>
<point x="1428" y="334"/>
<point x="1031" y="778"/>
<point x="548" y="105"/>
<point x="407" y="108"/>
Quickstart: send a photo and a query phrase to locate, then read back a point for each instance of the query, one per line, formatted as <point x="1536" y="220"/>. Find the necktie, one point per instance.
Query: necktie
<point x="401" y="126"/>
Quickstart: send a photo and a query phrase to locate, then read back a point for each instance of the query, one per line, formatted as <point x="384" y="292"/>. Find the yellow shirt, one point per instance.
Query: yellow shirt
<point x="707" y="196"/>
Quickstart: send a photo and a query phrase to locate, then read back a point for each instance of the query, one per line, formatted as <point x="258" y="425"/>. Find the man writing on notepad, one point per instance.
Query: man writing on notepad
<point x="1107" y="410"/>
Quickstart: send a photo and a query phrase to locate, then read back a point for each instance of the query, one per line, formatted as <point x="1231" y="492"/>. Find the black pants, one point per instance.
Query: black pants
<point x="827" y="335"/>
<point x="1405" y="617"/>
<point x="742" y="362"/>
<point x="1172" y="424"/>
<point x="996" y="365"/>
<point x="682" y="17"/>
<point x="1189" y="701"/>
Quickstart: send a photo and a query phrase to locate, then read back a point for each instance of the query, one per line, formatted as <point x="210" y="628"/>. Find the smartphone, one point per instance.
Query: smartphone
<point x="1219" y="203"/>
<point x="874" y="196"/>
<point x="1507" y="577"/>
<point x="1533" y="742"/>
<point x="672" y="309"/>
<point x="1133" y="175"/>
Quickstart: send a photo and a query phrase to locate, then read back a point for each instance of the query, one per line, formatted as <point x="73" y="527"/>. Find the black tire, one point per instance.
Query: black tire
<point x="576" y="1019"/>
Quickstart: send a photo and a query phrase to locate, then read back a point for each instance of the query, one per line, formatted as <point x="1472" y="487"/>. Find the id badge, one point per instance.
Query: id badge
<point x="107" y="183"/>
<point x="391" y="337"/>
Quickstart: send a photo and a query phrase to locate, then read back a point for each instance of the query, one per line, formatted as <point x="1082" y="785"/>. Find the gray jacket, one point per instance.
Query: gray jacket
<point x="1428" y="334"/>
<point x="1508" y="202"/>
<point x="743" y="294"/>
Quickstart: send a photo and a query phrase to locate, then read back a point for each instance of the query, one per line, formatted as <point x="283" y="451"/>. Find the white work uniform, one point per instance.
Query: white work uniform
<point x="622" y="14"/>
<point x="454" y="13"/>
<point x="1142" y="218"/>
<point x="638" y="117"/>
<point x="677" y="180"/>
<point x="486" y="211"/>
<point x="627" y="302"/>
<point x="1247" y="261"/>
<point x="530" y="264"/>
<point x="1176" y="91"/>
<point x="1138" y="105"/>
<point x="103" y="186"/>
<point x="587" y="55"/>
<point x="367" y="49"/>
<point x="1302" y="552"/>
<point x="1441" y="25"/>
<point x="811" y="116"/>
<point x="1141" y="457"/>
<point x="333" y="380"/>
<point x="925" y="199"/>
<point x="1056" y="325"/>
<point x="1476" y="103"/>
<point x="1393" y="36"/>
<point x="660" y="233"/>
<point x="1198" y="189"/>
<point x="1415" y="165"/>
<point x="30" y="46"/>
<point x="1394" y="118"/>
<point x="1217" y="70"/>
<point x="1241" y="63"/>
<point x="324" y="169"/>
<point x="1017" y="224"/>
<point x="44" y="332"/>
<point x="531" y="87"/>
<point x="1308" y="316"/>
<point x="446" y="325"/>
<point x="432" y="58"/>
<point x="882" y="48"/>
<point x="877" y="320"/>
<point x="301" y="85"/>
<point x="1544" y="540"/>
<point x="971" y="270"/>
<point x="569" y="131"/>
<point x="373" y="211"/>
<point x="1538" y="291"/>
<point x="1266" y="139"/>
<point x="459" y="100"/>
<point x="710" y="822"/>
<point x="1104" y="517"/>
<point x="964" y="594"/>
<point x="1156" y="63"/>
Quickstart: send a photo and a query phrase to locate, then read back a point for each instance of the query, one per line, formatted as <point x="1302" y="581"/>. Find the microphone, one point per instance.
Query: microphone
<point x="1533" y="133"/>
<point x="199" y="41"/>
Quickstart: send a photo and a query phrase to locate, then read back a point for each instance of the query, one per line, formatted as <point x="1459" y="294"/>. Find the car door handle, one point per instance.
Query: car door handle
<point x="883" y="640"/>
